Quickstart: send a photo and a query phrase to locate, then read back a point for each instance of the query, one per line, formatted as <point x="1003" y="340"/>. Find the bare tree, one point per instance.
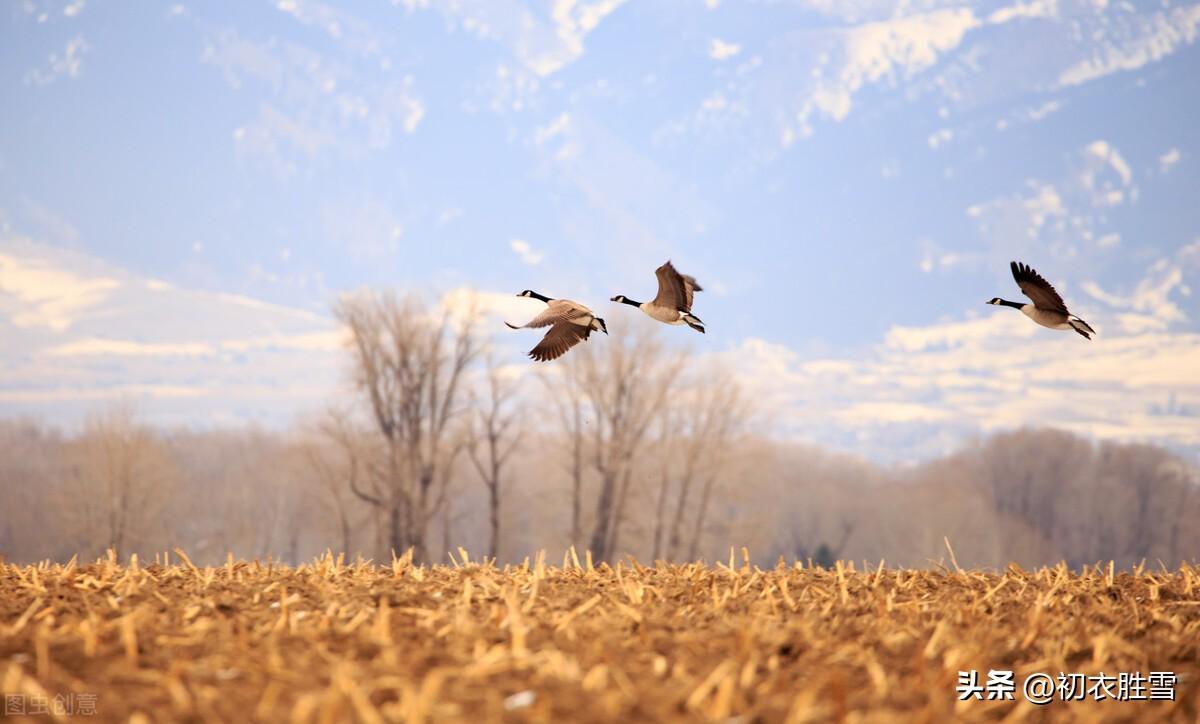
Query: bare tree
<point x="569" y="404"/>
<point x="29" y="464"/>
<point x="120" y="476"/>
<point x="716" y="414"/>
<point x="408" y="370"/>
<point x="495" y="435"/>
<point x="615" y="389"/>
<point x="697" y="428"/>
<point x="1186" y="480"/>
<point x="667" y="444"/>
<point x="336" y="458"/>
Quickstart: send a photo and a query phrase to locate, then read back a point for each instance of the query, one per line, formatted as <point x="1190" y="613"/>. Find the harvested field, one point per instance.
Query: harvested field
<point x="334" y="642"/>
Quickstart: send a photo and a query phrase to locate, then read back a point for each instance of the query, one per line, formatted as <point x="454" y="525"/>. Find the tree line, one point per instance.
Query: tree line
<point x="629" y="446"/>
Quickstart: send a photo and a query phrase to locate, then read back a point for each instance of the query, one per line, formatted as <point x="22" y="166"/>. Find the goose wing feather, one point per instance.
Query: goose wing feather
<point x="563" y="335"/>
<point x="1039" y="291"/>
<point x="558" y="310"/>
<point x="675" y="290"/>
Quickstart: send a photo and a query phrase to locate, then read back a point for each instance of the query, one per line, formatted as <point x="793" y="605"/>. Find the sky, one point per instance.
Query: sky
<point x="186" y="189"/>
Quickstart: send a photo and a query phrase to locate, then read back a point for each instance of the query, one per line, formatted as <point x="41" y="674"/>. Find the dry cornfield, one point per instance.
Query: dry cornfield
<point x="333" y="642"/>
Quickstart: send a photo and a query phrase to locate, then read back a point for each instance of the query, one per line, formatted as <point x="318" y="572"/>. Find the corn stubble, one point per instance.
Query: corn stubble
<point x="329" y="641"/>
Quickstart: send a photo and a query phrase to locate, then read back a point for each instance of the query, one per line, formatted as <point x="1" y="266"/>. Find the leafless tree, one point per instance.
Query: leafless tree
<point x="717" y="414"/>
<point x="495" y="435"/>
<point x="697" y="430"/>
<point x="619" y="384"/>
<point x="408" y="368"/>
<point x="562" y="389"/>
<point x="120" y="476"/>
<point x="29" y="466"/>
<point x="335" y="457"/>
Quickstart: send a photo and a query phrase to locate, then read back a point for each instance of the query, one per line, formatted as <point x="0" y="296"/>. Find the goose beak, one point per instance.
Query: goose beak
<point x="615" y="299"/>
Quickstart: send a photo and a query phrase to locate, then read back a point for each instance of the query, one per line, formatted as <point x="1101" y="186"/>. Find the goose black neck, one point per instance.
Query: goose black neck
<point x="630" y="302"/>
<point x="535" y="295"/>
<point x="1014" y="305"/>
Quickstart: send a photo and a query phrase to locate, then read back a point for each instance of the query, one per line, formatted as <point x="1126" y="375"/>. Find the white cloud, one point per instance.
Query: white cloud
<point x="1030" y="213"/>
<point x="1035" y="9"/>
<point x="1064" y="216"/>
<point x="555" y="128"/>
<point x="35" y="293"/>
<point x="1152" y="296"/>
<point x="469" y="304"/>
<point x="328" y="341"/>
<point x="416" y="111"/>
<point x="940" y="137"/>
<point x="92" y="346"/>
<point x="720" y="50"/>
<point x="1037" y="114"/>
<point x="955" y="334"/>
<point x="78" y="331"/>
<point x="322" y="341"/>
<point x="573" y="21"/>
<point x="543" y="45"/>
<point x="1155" y="38"/>
<point x="1169" y="159"/>
<point x="345" y="29"/>
<point x="74" y="8"/>
<point x="1102" y="150"/>
<point x="866" y="413"/>
<point x="882" y="51"/>
<point x="311" y="104"/>
<point x="68" y="63"/>
<point x="523" y="250"/>
<point x="927" y="389"/>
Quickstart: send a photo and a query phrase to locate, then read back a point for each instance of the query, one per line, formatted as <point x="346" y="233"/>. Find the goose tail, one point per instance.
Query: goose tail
<point x="1081" y="327"/>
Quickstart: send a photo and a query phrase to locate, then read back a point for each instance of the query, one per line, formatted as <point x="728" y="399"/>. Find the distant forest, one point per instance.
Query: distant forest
<point x="622" y="448"/>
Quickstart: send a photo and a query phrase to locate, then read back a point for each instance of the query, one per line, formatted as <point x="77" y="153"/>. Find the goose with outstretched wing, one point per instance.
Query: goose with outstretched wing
<point x="570" y="323"/>
<point x="1047" y="308"/>
<point x="673" y="304"/>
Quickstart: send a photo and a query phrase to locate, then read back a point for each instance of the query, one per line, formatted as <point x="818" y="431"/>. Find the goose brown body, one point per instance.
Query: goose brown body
<point x="1046" y="306"/>
<point x="673" y="303"/>
<point x="570" y="323"/>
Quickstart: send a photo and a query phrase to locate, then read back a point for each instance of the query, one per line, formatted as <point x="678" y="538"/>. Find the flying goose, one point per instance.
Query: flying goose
<point x="1047" y="309"/>
<point x="673" y="305"/>
<point x="569" y="323"/>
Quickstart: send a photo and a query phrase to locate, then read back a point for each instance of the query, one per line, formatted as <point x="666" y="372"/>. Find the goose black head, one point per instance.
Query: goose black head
<point x="996" y="300"/>
<point x="603" y="327"/>
<point x="618" y="298"/>
<point x="526" y="293"/>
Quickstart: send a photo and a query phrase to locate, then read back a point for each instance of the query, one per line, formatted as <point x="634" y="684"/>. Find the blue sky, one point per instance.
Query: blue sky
<point x="185" y="189"/>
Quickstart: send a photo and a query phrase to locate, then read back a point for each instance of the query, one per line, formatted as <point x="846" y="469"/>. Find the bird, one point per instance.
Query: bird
<point x="570" y="323"/>
<point x="673" y="305"/>
<point x="1048" y="308"/>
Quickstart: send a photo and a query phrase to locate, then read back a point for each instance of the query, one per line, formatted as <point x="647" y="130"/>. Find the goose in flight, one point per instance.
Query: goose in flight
<point x="570" y="323"/>
<point x="1048" y="308"/>
<point x="673" y="305"/>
